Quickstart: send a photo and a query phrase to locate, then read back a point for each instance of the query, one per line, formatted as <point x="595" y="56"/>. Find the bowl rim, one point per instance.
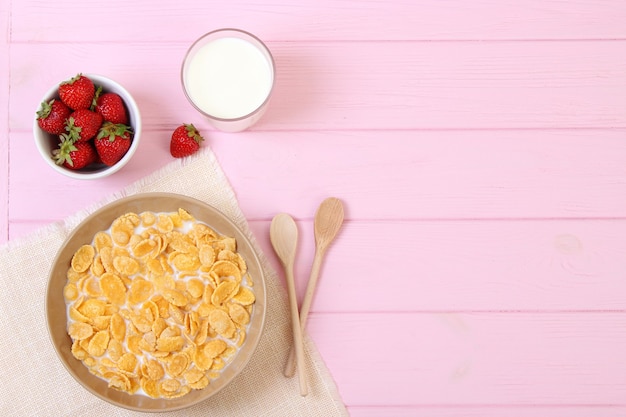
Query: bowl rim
<point x="252" y="340"/>
<point x="105" y="171"/>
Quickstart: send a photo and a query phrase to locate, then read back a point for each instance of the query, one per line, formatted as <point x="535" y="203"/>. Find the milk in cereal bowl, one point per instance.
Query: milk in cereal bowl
<point x="155" y="302"/>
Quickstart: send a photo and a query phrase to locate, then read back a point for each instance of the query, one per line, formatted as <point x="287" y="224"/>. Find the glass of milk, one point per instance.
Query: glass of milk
<point x="228" y="75"/>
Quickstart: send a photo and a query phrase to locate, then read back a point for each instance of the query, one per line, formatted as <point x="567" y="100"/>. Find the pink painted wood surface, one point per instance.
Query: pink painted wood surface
<point x="330" y="20"/>
<point x="415" y="175"/>
<point x="400" y="85"/>
<point x="479" y="148"/>
<point x="4" y="123"/>
<point x="475" y="358"/>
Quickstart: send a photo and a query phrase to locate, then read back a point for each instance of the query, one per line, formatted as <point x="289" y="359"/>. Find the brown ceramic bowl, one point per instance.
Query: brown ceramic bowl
<point x="101" y="220"/>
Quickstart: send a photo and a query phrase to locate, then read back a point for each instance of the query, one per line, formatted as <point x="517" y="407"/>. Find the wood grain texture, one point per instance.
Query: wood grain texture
<point x="4" y="122"/>
<point x="399" y="175"/>
<point x="489" y="411"/>
<point x="478" y="148"/>
<point x="377" y="85"/>
<point x="37" y="21"/>
<point x="475" y="359"/>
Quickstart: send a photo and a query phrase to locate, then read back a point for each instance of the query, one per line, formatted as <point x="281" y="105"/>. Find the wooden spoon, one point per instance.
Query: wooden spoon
<point x="328" y="221"/>
<point x="284" y="238"/>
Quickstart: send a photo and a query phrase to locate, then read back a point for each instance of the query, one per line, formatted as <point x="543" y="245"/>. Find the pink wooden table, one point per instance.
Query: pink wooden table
<point x="480" y="150"/>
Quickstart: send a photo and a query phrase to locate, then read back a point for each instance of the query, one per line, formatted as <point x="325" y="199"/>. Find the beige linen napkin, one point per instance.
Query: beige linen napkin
<point x="34" y="383"/>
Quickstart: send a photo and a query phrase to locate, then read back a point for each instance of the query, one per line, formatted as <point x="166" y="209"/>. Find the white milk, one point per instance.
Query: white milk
<point x="228" y="78"/>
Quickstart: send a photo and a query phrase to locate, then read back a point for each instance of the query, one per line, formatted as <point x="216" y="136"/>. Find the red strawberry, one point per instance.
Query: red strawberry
<point x="77" y="92"/>
<point x="185" y="141"/>
<point x="111" y="107"/>
<point x="112" y="142"/>
<point x="51" y="117"/>
<point x="74" y="155"/>
<point x="83" y="124"/>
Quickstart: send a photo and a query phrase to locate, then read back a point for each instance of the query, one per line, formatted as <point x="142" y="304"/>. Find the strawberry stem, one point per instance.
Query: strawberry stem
<point x="113" y="130"/>
<point x="73" y="131"/>
<point x="62" y="154"/>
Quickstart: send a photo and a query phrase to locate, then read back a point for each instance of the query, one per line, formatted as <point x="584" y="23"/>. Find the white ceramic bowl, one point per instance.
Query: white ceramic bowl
<point x="46" y="142"/>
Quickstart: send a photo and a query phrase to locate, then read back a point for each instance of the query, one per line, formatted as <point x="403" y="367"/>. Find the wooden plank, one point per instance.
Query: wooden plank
<point x="406" y="85"/>
<point x="449" y="266"/>
<point x="482" y="360"/>
<point x="37" y="20"/>
<point x="430" y="175"/>
<point x="396" y="175"/>
<point x="472" y="265"/>
<point x="5" y="76"/>
<point x="489" y="411"/>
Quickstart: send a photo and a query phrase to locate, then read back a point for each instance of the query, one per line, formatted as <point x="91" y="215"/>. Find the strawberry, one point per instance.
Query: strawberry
<point x="83" y="124"/>
<point x="74" y="155"/>
<point x="110" y="106"/>
<point x="112" y="142"/>
<point x="185" y="141"/>
<point x="77" y="92"/>
<point x="51" y="117"/>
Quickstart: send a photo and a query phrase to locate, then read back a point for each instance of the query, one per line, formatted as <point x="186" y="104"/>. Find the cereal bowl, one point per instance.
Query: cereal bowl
<point x="59" y="311"/>
<point x="46" y="143"/>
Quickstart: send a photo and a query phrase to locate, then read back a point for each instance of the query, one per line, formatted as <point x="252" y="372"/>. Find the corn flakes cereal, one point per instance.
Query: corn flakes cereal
<point x="98" y="343"/>
<point x="125" y="265"/>
<point x="147" y="218"/>
<point x="101" y="322"/>
<point x="97" y="267"/>
<point x="92" y="307"/>
<point x="164" y="223"/>
<point x="214" y="348"/>
<point x="206" y="255"/>
<point x="70" y="292"/>
<point x="144" y="248"/>
<point x="226" y="269"/>
<point x="156" y="303"/>
<point x="82" y="259"/>
<point x="102" y="240"/>
<point x="118" y="380"/>
<point x="203" y="382"/>
<point x="185" y="261"/>
<point x="195" y="287"/>
<point x="181" y="243"/>
<point x="193" y="375"/>
<point x="153" y="370"/>
<point x="140" y="290"/>
<point x="118" y="327"/>
<point x="73" y="276"/>
<point x="244" y="297"/>
<point x="79" y="331"/>
<point x="170" y="344"/>
<point x="218" y="364"/>
<point x="178" y="364"/>
<point x="149" y="386"/>
<point x="127" y="362"/>
<point x="113" y="288"/>
<point x="238" y="314"/>
<point x="158" y="326"/>
<point x="223" y="292"/>
<point x="176" y="314"/>
<point x="221" y="322"/>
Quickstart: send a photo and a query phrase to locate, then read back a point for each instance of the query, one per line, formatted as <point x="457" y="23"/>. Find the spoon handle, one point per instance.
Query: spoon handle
<point x="290" y="366"/>
<point x="297" y="330"/>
